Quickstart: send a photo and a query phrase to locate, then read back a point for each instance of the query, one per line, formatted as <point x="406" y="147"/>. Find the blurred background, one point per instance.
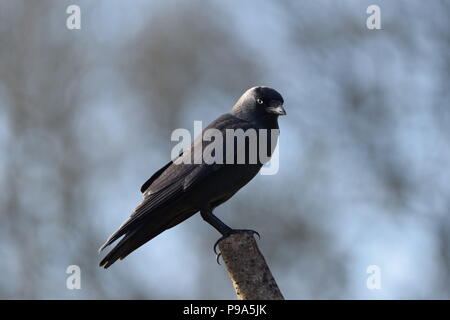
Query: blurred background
<point x="86" y="117"/>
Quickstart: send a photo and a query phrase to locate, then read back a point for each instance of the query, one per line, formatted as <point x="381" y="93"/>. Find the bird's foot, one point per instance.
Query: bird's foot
<point x="232" y="231"/>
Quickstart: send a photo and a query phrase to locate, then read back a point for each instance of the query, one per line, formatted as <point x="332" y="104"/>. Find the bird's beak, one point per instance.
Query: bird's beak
<point x="277" y="109"/>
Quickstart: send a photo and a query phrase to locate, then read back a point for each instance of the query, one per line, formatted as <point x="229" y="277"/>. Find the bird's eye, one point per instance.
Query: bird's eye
<point x="259" y="101"/>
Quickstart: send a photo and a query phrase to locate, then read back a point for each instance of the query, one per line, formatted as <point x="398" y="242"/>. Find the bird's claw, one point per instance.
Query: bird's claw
<point x="252" y="232"/>
<point x="246" y="230"/>
<point x="233" y="231"/>
<point x="217" y="243"/>
<point x="218" y="258"/>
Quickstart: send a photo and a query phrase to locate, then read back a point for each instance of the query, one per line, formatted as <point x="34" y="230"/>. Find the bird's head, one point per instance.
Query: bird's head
<point x="259" y="102"/>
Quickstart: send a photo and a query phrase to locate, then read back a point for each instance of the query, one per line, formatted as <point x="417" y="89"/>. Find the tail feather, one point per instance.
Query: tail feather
<point x="123" y="229"/>
<point x="136" y="234"/>
<point x="139" y="232"/>
<point x="115" y="253"/>
<point x="128" y="244"/>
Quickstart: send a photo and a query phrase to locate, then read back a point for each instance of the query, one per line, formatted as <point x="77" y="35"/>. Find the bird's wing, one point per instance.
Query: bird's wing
<point x="154" y="177"/>
<point x="164" y="186"/>
<point x="171" y="181"/>
<point x="175" y="178"/>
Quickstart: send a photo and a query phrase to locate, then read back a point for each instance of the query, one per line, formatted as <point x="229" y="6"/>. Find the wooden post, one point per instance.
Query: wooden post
<point x="247" y="268"/>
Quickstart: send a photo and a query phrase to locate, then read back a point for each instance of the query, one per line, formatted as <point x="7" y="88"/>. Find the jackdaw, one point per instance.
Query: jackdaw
<point x="184" y="186"/>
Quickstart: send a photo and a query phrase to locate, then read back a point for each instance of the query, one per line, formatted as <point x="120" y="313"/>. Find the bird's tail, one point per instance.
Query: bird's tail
<point x="129" y="243"/>
<point x="138" y="233"/>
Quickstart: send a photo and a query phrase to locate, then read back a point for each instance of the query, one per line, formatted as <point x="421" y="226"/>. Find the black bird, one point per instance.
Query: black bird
<point x="179" y="190"/>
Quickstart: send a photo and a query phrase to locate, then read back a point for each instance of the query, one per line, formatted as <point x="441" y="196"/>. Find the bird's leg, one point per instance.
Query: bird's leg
<point x="209" y="217"/>
<point x="225" y="230"/>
